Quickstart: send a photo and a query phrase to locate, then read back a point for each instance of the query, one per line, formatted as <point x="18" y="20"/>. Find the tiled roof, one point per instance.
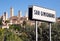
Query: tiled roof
<point x="13" y="17"/>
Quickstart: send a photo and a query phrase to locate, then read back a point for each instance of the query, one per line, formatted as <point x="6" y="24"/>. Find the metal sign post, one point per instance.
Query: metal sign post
<point x="50" y="31"/>
<point x="36" y="30"/>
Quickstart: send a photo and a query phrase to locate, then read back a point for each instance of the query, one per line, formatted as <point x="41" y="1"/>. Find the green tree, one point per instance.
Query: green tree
<point x="1" y="21"/>
<point x="15" y="27"/>
<point x="7" y="21"/>
<point x="12" y="37"/>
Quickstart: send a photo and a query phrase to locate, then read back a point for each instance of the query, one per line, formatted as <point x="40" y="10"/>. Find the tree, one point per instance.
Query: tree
<point x="15" y="27"/>
<point x="43" y="32"/>
<point x="24" y="23"/>
<point x="12" y="37"/>
<point x="1" y="21"/>
<point x="7" y="21"/>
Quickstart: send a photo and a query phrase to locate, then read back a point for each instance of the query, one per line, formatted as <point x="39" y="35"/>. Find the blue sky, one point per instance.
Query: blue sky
<point x="23" y="5"/>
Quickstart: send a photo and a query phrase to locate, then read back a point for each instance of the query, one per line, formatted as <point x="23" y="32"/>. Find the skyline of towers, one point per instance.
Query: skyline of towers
<point x="19" y="15"/>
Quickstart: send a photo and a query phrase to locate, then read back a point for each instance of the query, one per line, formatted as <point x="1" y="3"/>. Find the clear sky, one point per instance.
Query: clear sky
<point x="23" y="5"/>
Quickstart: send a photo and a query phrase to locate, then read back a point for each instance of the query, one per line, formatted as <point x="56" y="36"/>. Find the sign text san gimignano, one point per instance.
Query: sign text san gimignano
<point x="37" y="13"/>
<point x="42" y="14"/>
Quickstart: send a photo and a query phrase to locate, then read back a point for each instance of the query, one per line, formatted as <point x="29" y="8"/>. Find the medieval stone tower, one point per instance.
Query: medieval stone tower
<point x="11" y="12"/>
<point x="5" y="16"/>
<point x="19" y="14"/>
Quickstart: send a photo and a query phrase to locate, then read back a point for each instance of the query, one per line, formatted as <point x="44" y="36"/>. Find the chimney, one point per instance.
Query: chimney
<point x="11" y="12"/>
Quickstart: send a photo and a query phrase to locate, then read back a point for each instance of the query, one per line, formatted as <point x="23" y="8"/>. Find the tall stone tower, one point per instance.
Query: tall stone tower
<point x="5" y="16"/>
<point x="11" y="12"/>
<point x="19" y="14"/>
<point x="26" y="15"/>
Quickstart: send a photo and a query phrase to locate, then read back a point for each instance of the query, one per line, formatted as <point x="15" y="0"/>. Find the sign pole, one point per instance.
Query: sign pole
<point x="50" y="31"/>
<point x="36" y="30"/>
